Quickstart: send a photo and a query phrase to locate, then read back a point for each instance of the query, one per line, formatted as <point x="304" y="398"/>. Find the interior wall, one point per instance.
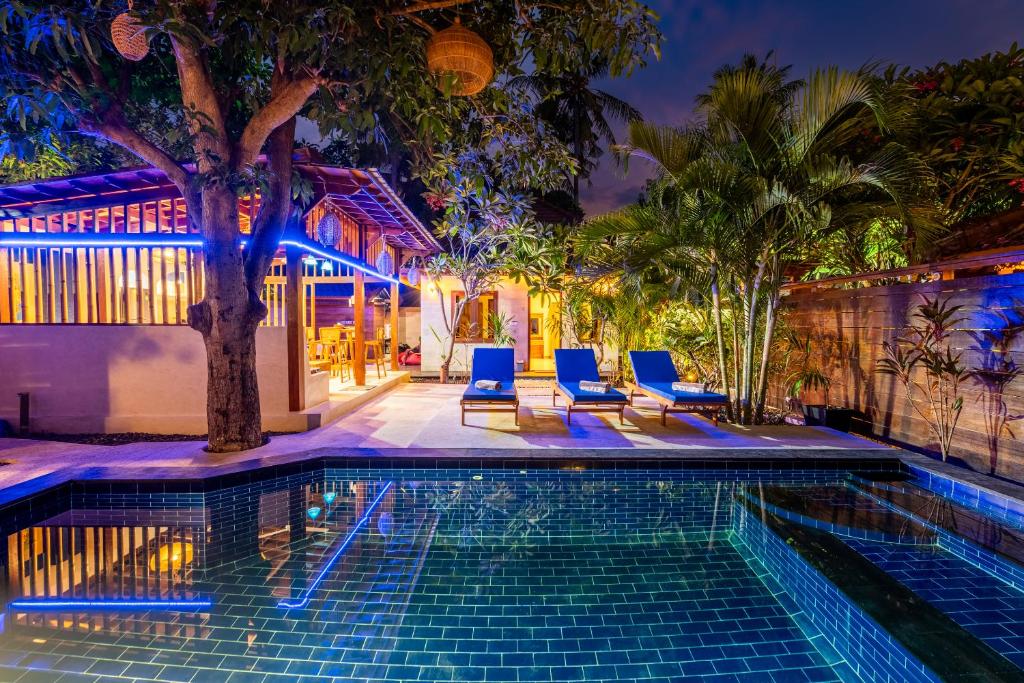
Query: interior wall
<point x="409" y="328"/>
<point x="856" y="322"/>
<point x="542" y="347"/>
<point x="125" y="378"/>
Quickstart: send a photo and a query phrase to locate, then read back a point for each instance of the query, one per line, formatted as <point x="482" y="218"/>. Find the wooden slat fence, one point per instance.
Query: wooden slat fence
<point x="855" y="322"/>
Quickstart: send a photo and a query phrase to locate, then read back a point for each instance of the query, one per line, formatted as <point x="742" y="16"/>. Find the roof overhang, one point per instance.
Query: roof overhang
<point x="157" y="240"/>
<point x="362" y="193"/>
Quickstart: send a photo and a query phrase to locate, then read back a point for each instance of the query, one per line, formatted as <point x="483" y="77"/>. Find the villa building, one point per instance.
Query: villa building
<point x="533" y="321"/>
<point x="97" y="273"/>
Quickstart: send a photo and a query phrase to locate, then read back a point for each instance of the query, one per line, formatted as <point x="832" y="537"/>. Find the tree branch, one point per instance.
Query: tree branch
<point x="428" y="5"/>
<point x="114" y="129"/>
<point x="275" y="206"/>
<point x="206" y="120"/>
<point x="422" y="24"/>
<point x="121" y="134"/>
<point x="284" y="104"/>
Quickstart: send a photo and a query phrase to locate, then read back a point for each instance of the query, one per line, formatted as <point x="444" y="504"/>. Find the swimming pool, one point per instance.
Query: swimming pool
<point x="516" y="572"/>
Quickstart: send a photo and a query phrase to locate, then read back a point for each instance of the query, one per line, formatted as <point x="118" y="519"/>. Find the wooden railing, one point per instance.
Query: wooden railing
<point x="115" y="285"/>
<point x="132" y="264"/>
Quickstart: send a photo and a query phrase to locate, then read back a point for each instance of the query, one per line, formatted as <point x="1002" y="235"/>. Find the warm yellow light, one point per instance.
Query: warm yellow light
<point x="691" y="376"/>
<point x="171" y="554"/>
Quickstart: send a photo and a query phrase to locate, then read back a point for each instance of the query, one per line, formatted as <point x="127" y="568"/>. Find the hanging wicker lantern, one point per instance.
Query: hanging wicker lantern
<point x="458" y="51"/>
<point x="129" y="36"/>
<point x="328" y="230"/>
<point x="413" y="275"/>
<point x="384" y="262"/>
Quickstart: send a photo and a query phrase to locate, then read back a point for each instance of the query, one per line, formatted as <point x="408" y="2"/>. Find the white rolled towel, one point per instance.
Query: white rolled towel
<point x="487" y="384"/>
<point x="596" y="387"/>
<point x="688" y="387"/>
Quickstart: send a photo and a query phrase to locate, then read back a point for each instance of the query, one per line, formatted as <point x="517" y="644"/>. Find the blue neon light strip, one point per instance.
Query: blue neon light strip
<point x="337" y="257"/>
<point x="308" y="593"/>
<point x="52" y="605"/>
<point x="43" y="240"/>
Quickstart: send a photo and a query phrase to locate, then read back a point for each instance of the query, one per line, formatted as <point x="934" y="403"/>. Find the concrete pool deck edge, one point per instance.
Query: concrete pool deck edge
<point x="704" y="458"/>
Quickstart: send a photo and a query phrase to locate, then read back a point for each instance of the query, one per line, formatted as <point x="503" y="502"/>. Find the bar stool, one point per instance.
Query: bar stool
<point x="377" y="346"/>
<point x="330" y="337"/>
<point x="343" y="359"/>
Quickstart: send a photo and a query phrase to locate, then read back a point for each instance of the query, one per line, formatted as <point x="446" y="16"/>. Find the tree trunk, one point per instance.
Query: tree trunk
<point x="453" y="329"/>
<point x="751" y="299"/>
<point x="771" y="318"/>
<point x="749" y="331"/>
<point x="716" y="310"/>
<point x="227" y="317"/>
<point x="736" y="352"/>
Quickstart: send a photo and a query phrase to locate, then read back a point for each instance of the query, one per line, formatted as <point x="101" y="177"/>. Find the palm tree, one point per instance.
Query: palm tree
<point x="772" y="168"/>
<point x="581" y="115"/>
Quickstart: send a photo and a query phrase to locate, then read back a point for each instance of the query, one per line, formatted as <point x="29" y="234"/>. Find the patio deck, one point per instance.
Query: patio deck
<point x="423" y="419"/>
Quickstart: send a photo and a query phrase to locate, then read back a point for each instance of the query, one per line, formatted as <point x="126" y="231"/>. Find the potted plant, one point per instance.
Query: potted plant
<point x="809" y="376"/>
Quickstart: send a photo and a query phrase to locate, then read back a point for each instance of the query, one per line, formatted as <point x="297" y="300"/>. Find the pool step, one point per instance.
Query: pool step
<point x="380" y="607"/>
<point x="929" y="634"/>
<point x="956" y="524"/>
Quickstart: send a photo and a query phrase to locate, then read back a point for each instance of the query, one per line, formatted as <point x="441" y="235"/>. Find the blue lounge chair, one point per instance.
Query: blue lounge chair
<point x="497" y="364"/>
<point x="654" y="373"/>
<point x="573" y="366"/>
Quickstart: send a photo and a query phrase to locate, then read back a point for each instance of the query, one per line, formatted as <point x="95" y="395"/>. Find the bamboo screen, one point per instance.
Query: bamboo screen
<point x="133" y="285"/>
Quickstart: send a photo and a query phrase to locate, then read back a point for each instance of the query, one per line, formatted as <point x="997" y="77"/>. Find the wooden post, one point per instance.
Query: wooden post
<point x="359" y="352"/>
<point x="293" y="330"/>
<point x="394" y="325"/>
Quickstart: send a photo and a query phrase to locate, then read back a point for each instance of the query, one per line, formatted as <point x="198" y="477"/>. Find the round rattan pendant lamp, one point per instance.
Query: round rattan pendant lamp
<point x="129" y="36"/>
<point x="458" y="51"/>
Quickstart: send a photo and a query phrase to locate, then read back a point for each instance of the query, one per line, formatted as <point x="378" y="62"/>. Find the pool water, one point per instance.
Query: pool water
<point x="579" y="573"/>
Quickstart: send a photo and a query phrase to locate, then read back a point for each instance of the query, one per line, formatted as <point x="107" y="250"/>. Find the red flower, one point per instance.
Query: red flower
<point x="434" y="201"/>
<point x="1018" y="185"/>
<point x="957" y="144"/>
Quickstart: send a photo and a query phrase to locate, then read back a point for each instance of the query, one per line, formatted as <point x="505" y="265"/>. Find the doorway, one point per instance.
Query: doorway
<point x="544" y="333"/>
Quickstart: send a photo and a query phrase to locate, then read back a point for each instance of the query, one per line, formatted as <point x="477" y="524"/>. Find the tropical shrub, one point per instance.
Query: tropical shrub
<point x="922" y="360"/>
<point x="773" y="169"/>
<point x="995" y="371"/>
<point x="970" y="130"/>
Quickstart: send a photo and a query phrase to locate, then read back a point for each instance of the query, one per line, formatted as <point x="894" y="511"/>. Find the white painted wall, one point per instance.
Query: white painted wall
<point x="126" y="378"/>
<point x="409" y="330"/>
<point x="513" y="301"/>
